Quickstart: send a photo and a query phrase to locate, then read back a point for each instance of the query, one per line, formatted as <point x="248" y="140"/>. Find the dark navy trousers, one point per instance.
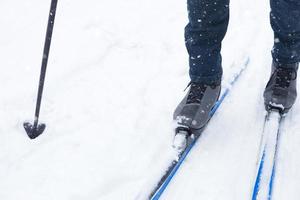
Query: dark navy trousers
<point x="208" y="20"/>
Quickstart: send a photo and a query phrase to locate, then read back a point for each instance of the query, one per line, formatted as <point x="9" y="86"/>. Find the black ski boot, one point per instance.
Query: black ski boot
<point x="281" y="91"/>
<point x="193" y="111"/>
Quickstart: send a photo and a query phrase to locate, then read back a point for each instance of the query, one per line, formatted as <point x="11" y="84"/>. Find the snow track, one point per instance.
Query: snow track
<point x="116" y="71"/>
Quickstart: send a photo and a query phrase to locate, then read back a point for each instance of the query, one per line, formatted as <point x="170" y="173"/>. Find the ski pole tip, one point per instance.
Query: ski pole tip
<point x="33" y="131"/>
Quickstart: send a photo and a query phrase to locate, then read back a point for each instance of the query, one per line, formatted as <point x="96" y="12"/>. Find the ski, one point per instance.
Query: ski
<point x="266" y="171"/>
<point x="191" y="140"/>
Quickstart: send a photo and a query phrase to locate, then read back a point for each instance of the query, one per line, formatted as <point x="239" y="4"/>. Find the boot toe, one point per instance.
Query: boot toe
<point x="192" y="116"/>
<point x="283" y="101"/>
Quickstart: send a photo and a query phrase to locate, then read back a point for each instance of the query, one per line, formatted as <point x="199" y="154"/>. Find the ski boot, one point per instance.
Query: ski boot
<point x="193" y="112"/>
<point x="281" y="92"/>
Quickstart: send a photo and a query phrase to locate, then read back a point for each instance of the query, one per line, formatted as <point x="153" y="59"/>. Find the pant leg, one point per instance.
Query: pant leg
<point x="204" y="33"/>
<point x="285" y="22"/>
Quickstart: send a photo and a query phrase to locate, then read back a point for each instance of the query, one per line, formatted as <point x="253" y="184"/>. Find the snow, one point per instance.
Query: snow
<point x="116" y="72"/>
<point x="179" y="142"/>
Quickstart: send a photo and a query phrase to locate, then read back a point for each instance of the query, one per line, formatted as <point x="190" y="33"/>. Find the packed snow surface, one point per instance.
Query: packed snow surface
<point x="116" y="72"/>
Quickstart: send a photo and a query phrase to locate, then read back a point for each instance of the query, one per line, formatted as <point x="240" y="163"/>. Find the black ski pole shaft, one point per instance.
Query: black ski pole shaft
<point x="45" y="58"/>
<point x="36" y="129"/>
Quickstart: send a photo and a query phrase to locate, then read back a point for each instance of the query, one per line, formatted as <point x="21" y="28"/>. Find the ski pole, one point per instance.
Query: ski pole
<point x="36" y="129"/>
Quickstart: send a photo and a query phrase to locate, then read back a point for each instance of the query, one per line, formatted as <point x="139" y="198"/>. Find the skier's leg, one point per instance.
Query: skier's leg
<point x="281" y="91"/>
<point x="204" y="33"/>
<point x="285" y="21"/>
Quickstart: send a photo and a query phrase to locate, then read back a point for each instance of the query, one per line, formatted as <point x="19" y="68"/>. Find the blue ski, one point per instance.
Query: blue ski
<point x="266" y="171"/>
<point x="175" y="164"/>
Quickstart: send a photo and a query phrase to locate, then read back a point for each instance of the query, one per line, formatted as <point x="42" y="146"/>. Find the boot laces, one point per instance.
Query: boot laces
<point x="196" y="92"/>
<point x="284" y="76"/>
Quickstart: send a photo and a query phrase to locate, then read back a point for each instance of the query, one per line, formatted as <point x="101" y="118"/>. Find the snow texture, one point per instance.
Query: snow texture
<point x="116" y="72"/>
